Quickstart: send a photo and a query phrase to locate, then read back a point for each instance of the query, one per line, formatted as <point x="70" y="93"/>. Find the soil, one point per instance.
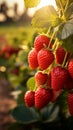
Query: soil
<point x="7" y="102"/>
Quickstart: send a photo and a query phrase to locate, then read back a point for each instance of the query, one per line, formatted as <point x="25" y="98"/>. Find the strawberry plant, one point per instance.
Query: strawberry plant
<point x="50" y="96"/>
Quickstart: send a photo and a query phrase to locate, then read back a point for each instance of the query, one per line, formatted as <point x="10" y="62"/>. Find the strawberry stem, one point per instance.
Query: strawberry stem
<point x="60" y="2"/>
<point x="64" y="60"/>
<point x="66" y="5"/>
<point x="52" y="37"/>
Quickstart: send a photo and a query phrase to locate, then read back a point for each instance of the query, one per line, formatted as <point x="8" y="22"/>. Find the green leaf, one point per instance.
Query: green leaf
<point x="68" y="44"/>
<point x="31" y="83"/>
<point x="25" y="115"/>
<point x="69" y="11"/>
<point x="31" y="3"/>
<point x="50" y="113"/>
<point x="65" y="30"/>
<point x="45" y="17"/>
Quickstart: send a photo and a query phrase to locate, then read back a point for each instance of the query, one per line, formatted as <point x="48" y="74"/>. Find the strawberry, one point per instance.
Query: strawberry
<point x="60" y="54"/>
<point x="70" y="103"/>
<point x="70" y="68"/>
<point x="29" y="98"/>
<point x="55" y="95"/>
<point x="69" y="84"/>
<point x="40" y="41"/>
<point x="59" y="77"/>
<point x="42" y="97"/>
<point x="41" y="78"/>
<point x="32" y="59"/>
<point x="49" y="80"/>
<point x="45" y="58"/>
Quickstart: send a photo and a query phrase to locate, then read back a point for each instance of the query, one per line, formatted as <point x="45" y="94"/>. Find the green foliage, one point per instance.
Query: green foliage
<point x="50" y="113"/>
<point x="65" y="30"/>
<point x="25" y="115"/>
<point x="31" y="83"/>
<point x="69" y="11"/>
<point x="31" y="3"/>
<point x="68" y="44"/>
<point x="45" y="17"/>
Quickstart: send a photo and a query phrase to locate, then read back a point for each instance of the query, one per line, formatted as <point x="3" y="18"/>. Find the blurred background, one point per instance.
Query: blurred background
<point x="16" y="39"/>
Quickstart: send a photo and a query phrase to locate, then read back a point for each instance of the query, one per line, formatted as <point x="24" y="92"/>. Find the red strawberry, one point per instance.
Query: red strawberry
<point x="70" y="68"/>
<point x="55" y="95"/>
<point x="70" y="103"/>
<point x="32" y="59"/>
<point x="49" y="80"/>
<point x="60" y="54"/>
<point x="42" y="97"/>
<point x="40" y="41"/>
<point x="45" y="58"/>
<point x="41" y="78"/>
<point x="29" y="98"/>
<point x="59" y="77"/>
<point x="69" y="84"/>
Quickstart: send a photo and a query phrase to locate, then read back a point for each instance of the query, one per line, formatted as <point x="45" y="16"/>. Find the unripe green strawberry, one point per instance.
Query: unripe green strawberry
<point x="45" y="58"/>
<point x="32" y="59"/>
<point x="70" y="68"/>
<point x="42" y="97"/>
<point x="70" y="103"/>
<point x="40" y="41"/>
<point x="29" y="98"/>
<point x="41" y="78"/>
<point x="59" y="77"/>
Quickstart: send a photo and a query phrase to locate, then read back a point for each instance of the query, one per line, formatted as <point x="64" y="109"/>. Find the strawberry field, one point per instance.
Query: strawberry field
<point x="37" y="61"/>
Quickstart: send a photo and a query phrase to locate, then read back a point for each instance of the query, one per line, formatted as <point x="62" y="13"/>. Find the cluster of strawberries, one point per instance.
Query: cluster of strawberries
<point x="51" y="77"/>
<point x="7" y="51"/>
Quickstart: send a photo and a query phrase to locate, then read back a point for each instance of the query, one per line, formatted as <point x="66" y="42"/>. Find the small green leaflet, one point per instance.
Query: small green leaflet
<point x="31" y="3"/>
<point x="31" y="83"/>
<point x="45" y="17"/>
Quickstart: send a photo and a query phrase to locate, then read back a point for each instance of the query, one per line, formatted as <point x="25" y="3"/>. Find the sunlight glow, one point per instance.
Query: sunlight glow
<point x="43" y="3"/>
<point x="46" y="2"/>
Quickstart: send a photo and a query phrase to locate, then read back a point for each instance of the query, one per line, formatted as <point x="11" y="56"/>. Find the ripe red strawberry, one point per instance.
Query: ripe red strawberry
<point x="41" y="78"/>
<point x="45" y="58"/>
<point x="59" y="77"/>
<point x="70" y="103"/>
<point x="29" y="98"/>
<point x="55" y="95"/>
<point x="70" y="68"/>
<point x="42" y="97"/>
<point x="49" y="80"/>
<point x="69" y="84"/>
<point x="39" y="42"/>
<point x="32" y="59"/>
<point x="60" y="54"/>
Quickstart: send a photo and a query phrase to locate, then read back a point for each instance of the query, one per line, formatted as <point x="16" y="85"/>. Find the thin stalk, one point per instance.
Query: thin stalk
<point x="66" y="5"/>
<point x="48" y="30"/>
<point x="55" y="44"/>
<point x="61" y="7"/>
<point x="52" y="37"/>
<point x="64" y="60"/>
